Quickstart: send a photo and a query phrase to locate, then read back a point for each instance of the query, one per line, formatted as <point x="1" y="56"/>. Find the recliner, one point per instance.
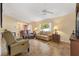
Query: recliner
<point x="15" y="47"/>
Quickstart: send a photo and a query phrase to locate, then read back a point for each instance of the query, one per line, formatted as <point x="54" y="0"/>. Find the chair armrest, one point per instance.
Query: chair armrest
<point x="19" y="47"/>
<point x="19" y="42"/>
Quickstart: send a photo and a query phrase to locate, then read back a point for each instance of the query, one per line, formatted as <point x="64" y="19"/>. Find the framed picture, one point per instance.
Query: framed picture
<point x="1" y="15"/>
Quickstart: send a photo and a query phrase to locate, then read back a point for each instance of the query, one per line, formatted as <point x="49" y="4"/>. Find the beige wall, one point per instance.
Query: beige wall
<point x="12" y="24"/>
<point x="65" y="24"/>
<point x="9" y="23"/>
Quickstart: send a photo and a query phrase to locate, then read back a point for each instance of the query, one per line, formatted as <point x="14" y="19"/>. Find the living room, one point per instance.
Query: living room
<point x="52" y="23"/>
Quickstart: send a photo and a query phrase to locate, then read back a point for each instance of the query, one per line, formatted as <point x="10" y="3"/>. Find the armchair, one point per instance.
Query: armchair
<point x="14" y="46"/>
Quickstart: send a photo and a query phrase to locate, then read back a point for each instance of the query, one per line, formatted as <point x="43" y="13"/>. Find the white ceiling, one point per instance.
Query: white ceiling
<point x="33" y="11"/>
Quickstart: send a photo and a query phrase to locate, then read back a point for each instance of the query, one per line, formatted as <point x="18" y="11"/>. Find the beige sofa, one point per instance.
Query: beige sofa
<point x="44" y="36"/>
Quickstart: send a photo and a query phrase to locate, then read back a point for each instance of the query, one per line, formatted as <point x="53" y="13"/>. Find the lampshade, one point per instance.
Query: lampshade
<point x="35" y="29"/>
<point x="55" y="27"/>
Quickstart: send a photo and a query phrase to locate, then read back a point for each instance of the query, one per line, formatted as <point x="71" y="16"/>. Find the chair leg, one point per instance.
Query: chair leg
<point x="28" y="49"/>
<point x="9" y="53"/>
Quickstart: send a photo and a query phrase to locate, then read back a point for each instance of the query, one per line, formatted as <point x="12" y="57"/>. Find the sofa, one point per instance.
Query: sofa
<point x="44" y="36"/>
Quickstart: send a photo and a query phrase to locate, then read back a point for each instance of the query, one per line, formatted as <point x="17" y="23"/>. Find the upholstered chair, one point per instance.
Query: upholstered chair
<point x="15" y="46"/>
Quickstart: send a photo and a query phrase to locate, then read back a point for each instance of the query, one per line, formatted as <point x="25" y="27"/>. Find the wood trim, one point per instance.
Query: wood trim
<point x="1" y="15"/>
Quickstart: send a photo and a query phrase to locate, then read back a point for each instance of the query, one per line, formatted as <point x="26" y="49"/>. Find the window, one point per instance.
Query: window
<point x="46" y="27"/>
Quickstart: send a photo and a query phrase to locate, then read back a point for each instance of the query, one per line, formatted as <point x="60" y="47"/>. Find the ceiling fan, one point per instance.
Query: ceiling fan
<point x="45" y="12"/>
